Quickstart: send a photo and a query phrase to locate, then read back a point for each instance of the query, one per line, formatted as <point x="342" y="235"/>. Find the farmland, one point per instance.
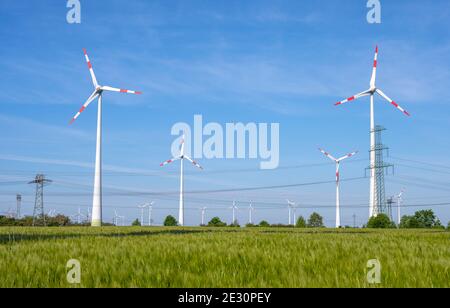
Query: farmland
<point x="228" y="257"/>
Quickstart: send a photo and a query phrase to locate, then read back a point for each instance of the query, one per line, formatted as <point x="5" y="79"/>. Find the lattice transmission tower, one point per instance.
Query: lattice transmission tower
<point x="381" y="168"/>
<point x="38" y="213"/>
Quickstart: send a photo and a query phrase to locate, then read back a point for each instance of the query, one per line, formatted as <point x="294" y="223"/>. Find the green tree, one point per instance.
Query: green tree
<point x="381" y="221"/>
<point x="315" y="221"/>
<point x="301" y="223"/>
<point x="136" y="223"/>
<point x="216" y="222"/>
<point x="170" y="221"/>
<point x="425" y="219"/>
<point x="448" y="226"/>
<point x="264" y="224"/>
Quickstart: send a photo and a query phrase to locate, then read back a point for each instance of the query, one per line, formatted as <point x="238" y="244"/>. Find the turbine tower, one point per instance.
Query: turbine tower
<point x="181" y="157"/>
<point x="142" y="208"/>
<point x="338" y="201"/>
<point x="234" y="208"/>
<point x="203" y="210"/>
<point x="399" y="204"/>
<point x="98" y="93"/>
<point x="373" y="206"/>
<point x="291" y="206"/>
<point x="150" y="210"/>
<point x="251" y="209"/>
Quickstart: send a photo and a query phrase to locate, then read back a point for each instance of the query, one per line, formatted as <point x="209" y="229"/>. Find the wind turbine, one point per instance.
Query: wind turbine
<point x="78" y="216"/>
<point x="98" y="93"/>
<point x="338" y="163"/>
<point x="181" y="157"/>
<point x="373" y="210"/>
<point x="250" y="214"/>
<point x="142" y="207"/>
<point x="203" y="210"/>
<point x="291" y="205"/>
<point x="399" y="204"/>
<point x="117" y="219"/>
<point x="150" y="210"/>
<point x="234" y="208"/>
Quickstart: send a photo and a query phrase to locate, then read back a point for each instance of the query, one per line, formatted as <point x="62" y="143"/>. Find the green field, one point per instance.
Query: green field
<point x="200" y="257"/>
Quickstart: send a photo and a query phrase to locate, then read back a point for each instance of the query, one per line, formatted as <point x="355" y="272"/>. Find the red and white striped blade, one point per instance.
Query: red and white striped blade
<point x="374" y="71"/>
<point x="347" y="156"/>
<point x="194" y="162"/>
<point x="327" y="155"/>
<point x="106" y="88"/>
<point x="91" y="70"/>
<point x="392" y="102"/>
<point x="338" y="175"/>
<point x="90" y="100"/>
<point x="169" y="161"/>
<point x="359" y="95"/>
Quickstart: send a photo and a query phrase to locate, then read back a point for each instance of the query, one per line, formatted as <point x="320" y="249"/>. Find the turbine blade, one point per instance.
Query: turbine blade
<point x="106" y="88"/>
<point x="392" y="102"/>
<point x="359" y="95"/>
<point x="91" y="70"/>
<point x="88" y="102"/>
<point x="169" y="161"/>
<point x="347" y="156"/>
<point x="328" y="155"/>
<point x="374" y="71"/>
<point x="194" y="162"/>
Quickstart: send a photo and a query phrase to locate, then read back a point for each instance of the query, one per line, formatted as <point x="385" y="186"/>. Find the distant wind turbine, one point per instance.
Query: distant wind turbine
<point x="251" y="209"/>
<point x="234" y="208"/>
<point x="338" y="163"/>
<point x="399" y="205"/>
<point x="181" y="157"/>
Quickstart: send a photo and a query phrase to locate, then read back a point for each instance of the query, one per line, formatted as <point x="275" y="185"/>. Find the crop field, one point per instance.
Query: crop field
<point x="236" y="258"/>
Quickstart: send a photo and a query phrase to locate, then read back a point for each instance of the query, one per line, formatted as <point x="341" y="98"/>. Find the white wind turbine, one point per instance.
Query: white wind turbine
<point x="291" y="206"/>
<point x="98" y="93"/>
<point x="338" y="163"/>
<point x="234" y="208"/>
<point x="399" y="204"/>
<point x="251" y="209"/>
<point x="142" y="208"/>
<point x="150" y="210"/>
<point x="181" y="157"/>
<point x="118" y="220"/>
<point x="203" y="211"/>
<point x="373" y="211"/>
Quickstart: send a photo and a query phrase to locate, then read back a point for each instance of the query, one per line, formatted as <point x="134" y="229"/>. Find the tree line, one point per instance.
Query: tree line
<point x="425" y="219"/>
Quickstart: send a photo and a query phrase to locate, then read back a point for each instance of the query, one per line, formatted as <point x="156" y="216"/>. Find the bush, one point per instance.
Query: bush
<point x="170" y="221"/>
<point x="301" y="222"/>
<point x="264" y="224"/>
<point x="315" y="221"/>
<point x="136" y="223"/>
<point x="216" y="222"/>
<point x="382" y="221"/>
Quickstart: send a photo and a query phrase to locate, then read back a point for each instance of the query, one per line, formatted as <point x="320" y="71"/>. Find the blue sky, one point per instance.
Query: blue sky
<point x="281" y="62"/>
